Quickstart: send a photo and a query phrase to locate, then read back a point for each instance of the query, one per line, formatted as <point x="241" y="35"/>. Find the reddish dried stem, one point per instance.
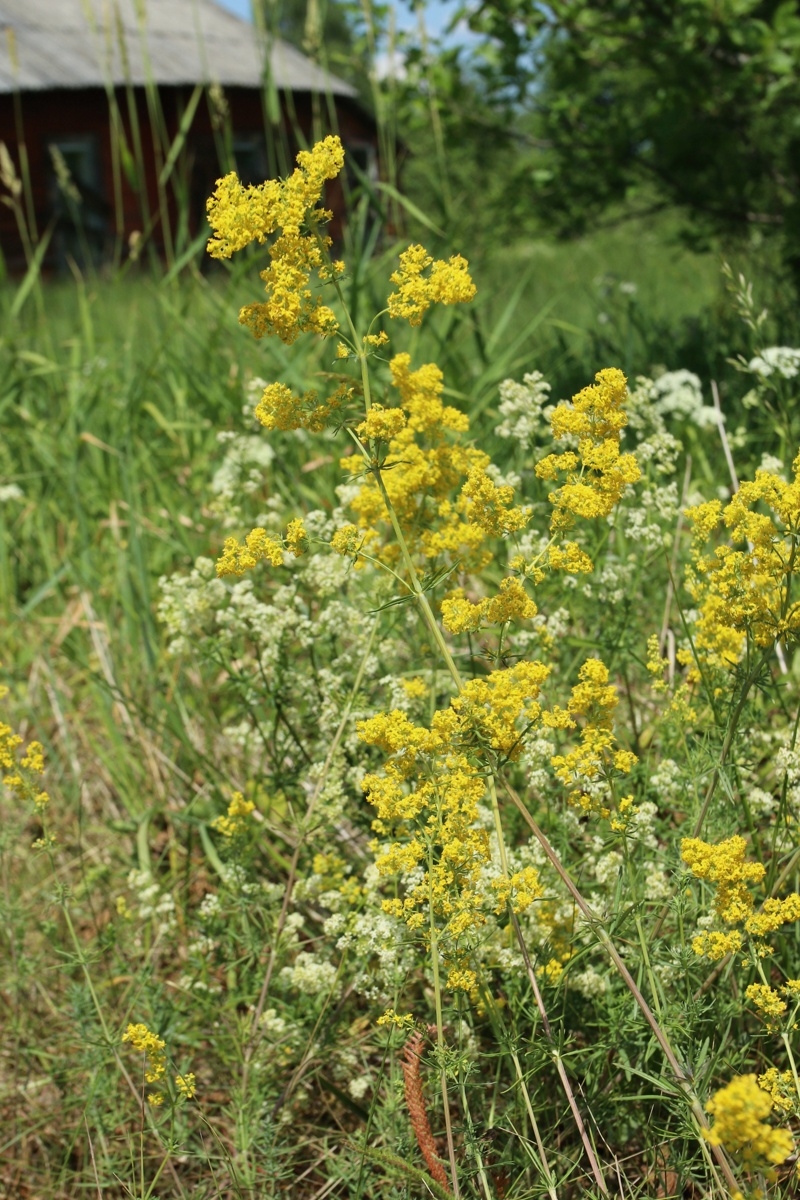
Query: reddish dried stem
<point x="410" y="1065"/>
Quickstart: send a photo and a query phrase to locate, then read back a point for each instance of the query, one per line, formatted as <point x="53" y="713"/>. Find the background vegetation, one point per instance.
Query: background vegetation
<point x="596" y="239"/>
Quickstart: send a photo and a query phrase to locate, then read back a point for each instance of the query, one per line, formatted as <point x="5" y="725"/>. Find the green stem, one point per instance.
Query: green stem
<point x="681" y="1078"/>
<point x="437" y="995"/>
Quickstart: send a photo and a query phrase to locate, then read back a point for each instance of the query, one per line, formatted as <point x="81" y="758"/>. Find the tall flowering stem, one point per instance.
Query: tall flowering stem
<point x="440" y="497"/>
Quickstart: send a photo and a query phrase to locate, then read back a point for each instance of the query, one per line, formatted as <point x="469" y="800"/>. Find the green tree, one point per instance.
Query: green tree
<point x="694" y="103"/>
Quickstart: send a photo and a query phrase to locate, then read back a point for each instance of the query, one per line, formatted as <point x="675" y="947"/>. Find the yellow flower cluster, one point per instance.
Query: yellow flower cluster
<point x="781" y="1088"/>
<point x="426" y="801"/>
<point x="569" y="558"/>
<point x="445" y="502"/>
<point x="498" y="710"/>
<point x="347" y="541"/>
<point x="594" y="699"/>
<point x="155" y="1060"/>
<point x="656" y="663"/>
<point x="280" y="408"/>
<point x="445" y="283"/>
<point x="745" y="593"/>
<point x="382" y="424"/>
<point x="512" y="603"/>
<point x="152" y="1047"/>
<point x="492" y="507"/>
<point x="20" y="772"/>
<point x="519" y="890"/>
<point x="397" y="1020"/>
<point x="767" y="1002"/>
<point x="740" y="1112"/>
<point x="238" y="557"/>
<point x="725" y="865"/>
<point x="235" y="820"/>
<point x="241" y="215"/>
<point x="597" y="475"/>
<point x="186" y="1085"/>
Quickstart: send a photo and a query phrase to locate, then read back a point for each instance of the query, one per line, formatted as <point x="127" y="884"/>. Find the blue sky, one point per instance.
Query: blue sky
<point x="437" y="13"/>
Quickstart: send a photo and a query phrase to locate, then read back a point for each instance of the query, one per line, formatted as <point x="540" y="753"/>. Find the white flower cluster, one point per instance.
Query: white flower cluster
<point x="588" y="982"/>
<point x="524" y="408"/>
<point x="761" y="804"/>
<point x="189" y="604"/>
<point x="680" y="394"/>
<point x="376" y="939"/>
<point x="535" y="758"/>
<point x="787" y="762"/>
<point x="612" y="583"/>
<point x="666" y="780"/>
<point x="771" y="464"/>
<point x="641" y="824"/>
<point x="310" y="975"/>
<point x="783" y="361"/>
<point x="11" y="491"/>
<point x="151" y="901"/>
<point x="246" y="460"/>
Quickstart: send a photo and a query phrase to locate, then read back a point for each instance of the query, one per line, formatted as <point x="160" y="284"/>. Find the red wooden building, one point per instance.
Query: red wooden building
<point x="119" y="115"/>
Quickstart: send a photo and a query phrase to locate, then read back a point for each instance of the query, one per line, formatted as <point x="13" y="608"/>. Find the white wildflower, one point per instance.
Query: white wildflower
<point x="772" y="464"/>
<point x="310" y="974"/>
<point x="588" y="982"/>
<point x="522" y="406"/>
<point x="783" y="361"/>
<point x="359" y="1086"/>
<point x="680" y="394"/>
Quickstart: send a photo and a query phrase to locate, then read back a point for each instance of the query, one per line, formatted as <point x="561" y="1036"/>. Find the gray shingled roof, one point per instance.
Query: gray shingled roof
<point x="60" y="44"/>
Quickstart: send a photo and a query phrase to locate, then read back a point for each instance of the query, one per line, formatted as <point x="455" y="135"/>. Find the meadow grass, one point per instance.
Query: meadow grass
<point x="113" y="394"/>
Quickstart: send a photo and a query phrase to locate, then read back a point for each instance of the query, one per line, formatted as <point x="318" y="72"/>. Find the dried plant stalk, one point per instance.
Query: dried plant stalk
<point x="410" y="1064"/>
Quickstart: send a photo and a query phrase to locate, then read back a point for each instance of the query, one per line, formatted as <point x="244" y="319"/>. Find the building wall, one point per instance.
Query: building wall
<point x="124" y="182"/>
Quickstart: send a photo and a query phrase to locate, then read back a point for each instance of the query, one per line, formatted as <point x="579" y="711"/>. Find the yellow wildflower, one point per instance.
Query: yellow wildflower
<point x="570" y="558"/>
<point x="780" y="1086"/>
<point x="241" y="215"/>
<point x="740" y="1110"/>
<point x="235" y="820"/>
<point x="460" y="615"/>
<point x="552" y="971"/>
<point x="597" y="475"/>
<point x="656" y="663"/>
<point x="724" y="865"/>
<point x="397" y="1020"/>
<point x="382" y="423"/>
<point x="446" y="283"/>
<point x="519" y="889"/>
<point x="768" y="1003"/>
<point x="714" y="945"/>
<point x="415" y="688"/>
<point x="237" y="558"/>
<point x="186" y="1085"/>
<point x="20" y="774"/>
<point x="152" y="1047"/>
<point x="347" y="541"/>
<point x="594" y="699"/>
<point x="296" y="538"/>
<point x="463" y="979"/>
<point x="746" y="593"/>
<point x="279" y="408"/>
<point x="491" y="505"/>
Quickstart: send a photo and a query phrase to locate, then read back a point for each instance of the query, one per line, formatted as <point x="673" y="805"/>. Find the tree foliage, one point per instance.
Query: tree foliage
<point x="695" y="102"/>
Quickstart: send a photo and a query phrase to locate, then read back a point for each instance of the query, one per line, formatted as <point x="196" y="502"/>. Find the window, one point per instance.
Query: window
<point x="76" y="199"/>
<point x="251" y="159"/>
